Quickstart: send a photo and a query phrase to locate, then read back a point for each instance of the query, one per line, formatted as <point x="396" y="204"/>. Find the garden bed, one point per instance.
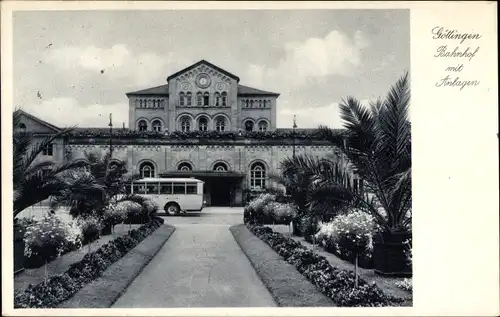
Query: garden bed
<point x="61" y="287"/>
<point x="288" y="287"/>
<point x="335" y="283"/>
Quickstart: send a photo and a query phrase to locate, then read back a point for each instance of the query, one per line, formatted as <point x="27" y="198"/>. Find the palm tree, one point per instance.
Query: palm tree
<point x="33" y="181"/>
<point x="378" y="146"/>
<point x="110" y="175"/>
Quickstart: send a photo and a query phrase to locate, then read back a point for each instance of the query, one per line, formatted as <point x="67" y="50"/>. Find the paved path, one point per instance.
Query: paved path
<point x="200" y="266"/>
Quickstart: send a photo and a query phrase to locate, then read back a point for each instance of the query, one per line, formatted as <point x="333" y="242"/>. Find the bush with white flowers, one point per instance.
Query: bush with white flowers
<point x="50" y="237"/>
<point x="282" y="213"/>
<point x="115" y="213"/>
<point x="91" y="228"/>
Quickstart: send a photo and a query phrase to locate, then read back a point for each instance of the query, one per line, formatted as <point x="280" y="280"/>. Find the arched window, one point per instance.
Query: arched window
<point x="220" y="124"/>
<point x="154" y="103"/>
<point x="258" y="176"/>
<point x="260" y="103"/>
<point x="220" y="167"/>
<point x="189" y="99"/>
<point x="185" y="124"/>
<point x="217" y="99"/>
<point x="224" y="99"/>
<point x="262" y="126"/>
<point x="21" y="127"/>
<point x="251" y="103"/>
<point x="248" y="125"/>
<point x="143" y="125"/>
<point x="203" y="124"/>
<point x="206" y="99"/>
<point x="185" y="167"/>
<point x="181" y="100"/>
<point x="156" y="125"/>
<point x="199" y="99"/>
<point x="147" y="169"/>
<point x="247" y="103"/>
<point x="263" y="103"/>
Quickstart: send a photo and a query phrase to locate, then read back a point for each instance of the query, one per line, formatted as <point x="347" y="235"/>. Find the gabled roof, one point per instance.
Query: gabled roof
<point x="208" y="64"/>
<point x="158" y="90"/>
<point x="249" y="91"/>
<point x="42" y="122"/>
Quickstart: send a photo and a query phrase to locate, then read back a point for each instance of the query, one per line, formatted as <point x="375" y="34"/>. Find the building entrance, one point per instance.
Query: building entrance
<point x="220" y="191"/>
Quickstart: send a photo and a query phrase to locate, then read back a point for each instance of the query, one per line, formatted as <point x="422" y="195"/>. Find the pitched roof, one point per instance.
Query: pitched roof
<point x="42" y="122"/>
<point x="247" y="91"/>
<point x="158" y="90"/>
<point x="207" y="63"/>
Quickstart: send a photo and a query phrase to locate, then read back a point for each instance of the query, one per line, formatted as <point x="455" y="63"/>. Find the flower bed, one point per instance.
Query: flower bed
<point x="335" y="283"/>
<point x="60" y="287"/>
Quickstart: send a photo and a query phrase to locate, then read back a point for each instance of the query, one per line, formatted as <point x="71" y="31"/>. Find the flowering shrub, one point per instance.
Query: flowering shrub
<point x="91" y="228"/>
<point x="266" y="210"/>
<point x="60" y="287"/>
<point x="49" y="238"/>
<point x="115" y="213"/>
<point x="406" y="284"/>
<point x="282" y="213"/>
<point x="335" y="283"/>
<point x="348" y="235"/>
<point x="147" y="209"/>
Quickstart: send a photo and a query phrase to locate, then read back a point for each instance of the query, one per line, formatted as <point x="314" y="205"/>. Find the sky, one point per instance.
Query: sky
<point x="74" y="67"/>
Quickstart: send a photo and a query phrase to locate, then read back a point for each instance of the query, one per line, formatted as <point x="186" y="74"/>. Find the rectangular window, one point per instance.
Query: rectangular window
<point x="48" y="150"/>
<point x="191" y="189"/>
<point x="166" y="188"/>
<point x="179" y="189"/>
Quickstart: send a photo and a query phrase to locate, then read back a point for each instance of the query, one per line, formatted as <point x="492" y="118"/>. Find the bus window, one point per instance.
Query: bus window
<point x="166" y="188"/>
<point x="191" y="189"/>
<point x="152" y="188"/>
<point x="139" y="189"/>
<point x="179" y="189"/>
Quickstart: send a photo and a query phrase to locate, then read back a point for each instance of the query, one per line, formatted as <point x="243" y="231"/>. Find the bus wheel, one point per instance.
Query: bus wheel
<point x="172" y="209"/>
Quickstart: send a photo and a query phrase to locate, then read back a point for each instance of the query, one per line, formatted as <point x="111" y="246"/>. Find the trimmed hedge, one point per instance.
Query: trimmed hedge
<point x="60" y="287"/>
<point x="335" y="283"/>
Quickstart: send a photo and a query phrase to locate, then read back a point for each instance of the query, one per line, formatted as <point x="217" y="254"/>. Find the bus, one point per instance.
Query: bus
<point x="174" y="195"/>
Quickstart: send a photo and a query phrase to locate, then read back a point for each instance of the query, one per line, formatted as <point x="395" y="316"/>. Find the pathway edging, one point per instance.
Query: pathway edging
<point x="104" y="291"/>
<point x="288" y="287"/>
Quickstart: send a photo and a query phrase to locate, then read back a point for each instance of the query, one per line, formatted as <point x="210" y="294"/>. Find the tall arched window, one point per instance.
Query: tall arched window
<point x="251" y="103"/>
<point x="217" y="99"/>
<point x="206" y="99"/>
<point x="181" y="99"/>
<point x="185" y="167"/>
<point x="224" y="99"/>
<point x="220" y="124"/>
<point x="248" y="125"/>
<point x="258" y="176"/>
<point x="203" y="124"/>
<point x="260" y="103"/>
<point x="199" y="99"/>
<point x="262" y="126"/>
<point x="189" y="99"/>
<point x="220" y="167"/>
<point x="143" y="125"/>
<point x="147" y="169"/>
<point x="185" y="124"/>
<point x="156" y="125"/>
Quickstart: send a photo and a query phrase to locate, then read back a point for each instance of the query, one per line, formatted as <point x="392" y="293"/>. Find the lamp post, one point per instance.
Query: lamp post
<point x="110" y="136"/>
<point x="293" y="135"/>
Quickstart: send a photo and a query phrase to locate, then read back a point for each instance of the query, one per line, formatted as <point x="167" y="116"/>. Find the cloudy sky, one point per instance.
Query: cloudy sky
<point x="74" y="67"/>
